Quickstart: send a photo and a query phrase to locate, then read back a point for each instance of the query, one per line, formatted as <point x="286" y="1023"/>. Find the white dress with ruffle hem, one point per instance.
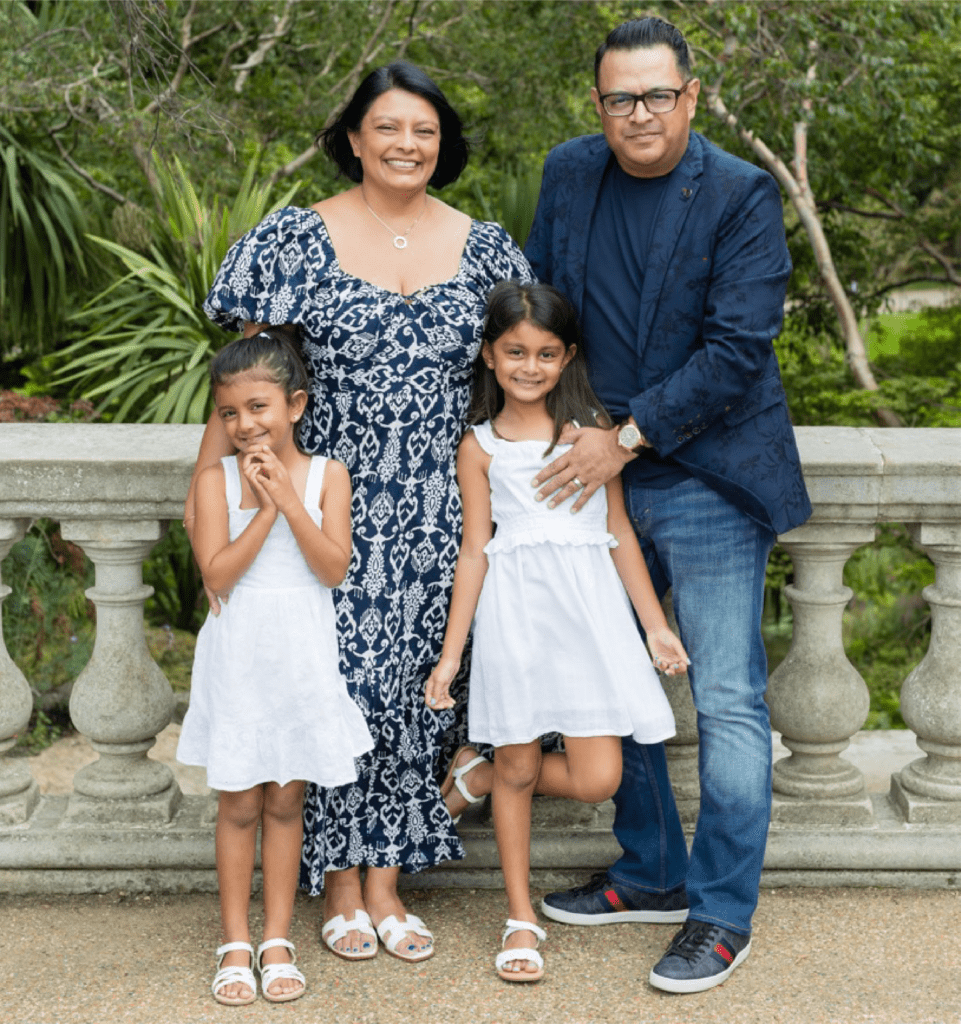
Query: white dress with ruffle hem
<point x="267" y="700"/>
<point x="556" y="645"/>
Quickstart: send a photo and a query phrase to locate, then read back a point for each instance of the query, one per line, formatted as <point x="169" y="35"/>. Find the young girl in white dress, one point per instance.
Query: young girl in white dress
<point x="556" y="647"/>
<point x="268" y="706"/>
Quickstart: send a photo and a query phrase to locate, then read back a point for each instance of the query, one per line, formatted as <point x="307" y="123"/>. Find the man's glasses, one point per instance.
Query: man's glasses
<point x="658" y="101"/>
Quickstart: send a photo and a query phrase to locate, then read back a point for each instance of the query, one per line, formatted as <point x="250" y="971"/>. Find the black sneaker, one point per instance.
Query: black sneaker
<point x="602" y="901"/>
<point x="700" y="957"/>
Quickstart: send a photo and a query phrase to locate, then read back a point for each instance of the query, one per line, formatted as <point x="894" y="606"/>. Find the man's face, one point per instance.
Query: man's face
<point x="646" y="145"/>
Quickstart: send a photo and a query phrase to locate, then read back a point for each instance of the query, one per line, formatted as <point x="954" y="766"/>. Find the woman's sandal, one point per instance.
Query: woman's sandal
<point x="392" y="933"/>
<point x="337" y="927"/>
<point x="234" y="976"/>
<point x="455" y="778"/>
<point x="507" y="956"/>
<point x="269" y="973"/>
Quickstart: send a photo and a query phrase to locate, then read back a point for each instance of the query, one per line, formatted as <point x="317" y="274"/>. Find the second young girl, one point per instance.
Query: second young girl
<point x="268" y="706"/>
<point x="556" y="647"/>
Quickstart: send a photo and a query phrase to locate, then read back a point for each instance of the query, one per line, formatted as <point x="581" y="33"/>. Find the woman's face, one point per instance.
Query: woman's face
<point x="398" y="142"/>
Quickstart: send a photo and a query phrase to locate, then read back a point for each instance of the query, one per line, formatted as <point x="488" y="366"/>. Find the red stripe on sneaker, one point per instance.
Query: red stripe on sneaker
<point x="724" y="953"/>
<point x="614" y="899"/>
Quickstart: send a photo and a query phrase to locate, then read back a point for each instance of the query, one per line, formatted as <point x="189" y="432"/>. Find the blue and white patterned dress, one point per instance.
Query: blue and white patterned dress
<point x="390" y="384"/>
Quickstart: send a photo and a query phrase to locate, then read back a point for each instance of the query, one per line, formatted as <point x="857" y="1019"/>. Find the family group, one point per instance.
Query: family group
<point x="446" y="484"/>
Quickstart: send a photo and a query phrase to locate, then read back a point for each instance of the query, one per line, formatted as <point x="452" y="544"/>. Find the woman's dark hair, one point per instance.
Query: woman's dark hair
<point x="454" y="147"/>
<point x="272" y="354"/>
<point x="642" y="33"/>
<point x="573" y="400"/>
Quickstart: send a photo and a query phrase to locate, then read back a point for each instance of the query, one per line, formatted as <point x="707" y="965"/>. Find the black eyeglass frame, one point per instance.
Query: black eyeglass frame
<point x="642" y="97"/>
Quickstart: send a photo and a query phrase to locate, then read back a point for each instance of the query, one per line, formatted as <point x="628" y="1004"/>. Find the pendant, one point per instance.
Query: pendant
<point x="400" y="242"/>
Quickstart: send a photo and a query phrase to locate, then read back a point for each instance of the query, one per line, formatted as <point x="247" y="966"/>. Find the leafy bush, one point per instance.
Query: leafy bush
<point x="146" y="341"/>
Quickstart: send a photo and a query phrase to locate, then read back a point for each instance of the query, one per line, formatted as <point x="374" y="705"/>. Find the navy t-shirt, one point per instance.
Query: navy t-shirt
<point x="616" y="259"/>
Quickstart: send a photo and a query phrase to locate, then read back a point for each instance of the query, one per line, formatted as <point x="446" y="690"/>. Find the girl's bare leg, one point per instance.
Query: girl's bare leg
<point x="238" y="815"/>
<point x="280" y="846"/>
<point x="380" y="895"/>
<point x="589" y="769"/>
<point x="516" y="769"/>
<point x="343" y="895"/>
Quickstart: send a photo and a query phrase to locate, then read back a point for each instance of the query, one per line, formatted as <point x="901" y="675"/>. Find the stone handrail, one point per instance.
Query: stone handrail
<point x="113" y="488"/>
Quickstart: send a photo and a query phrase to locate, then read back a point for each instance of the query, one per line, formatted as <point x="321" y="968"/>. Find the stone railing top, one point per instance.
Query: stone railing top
<point x="96" y="470"/>
<point x="133" y="470"/>
<point x="882" y="474"/>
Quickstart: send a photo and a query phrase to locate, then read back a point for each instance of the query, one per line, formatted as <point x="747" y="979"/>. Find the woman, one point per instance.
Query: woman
<point x="387" y="285"/>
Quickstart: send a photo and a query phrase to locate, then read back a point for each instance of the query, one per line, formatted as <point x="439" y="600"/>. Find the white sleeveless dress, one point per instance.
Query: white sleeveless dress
<point x="556" y="645"/>
<point x="267" y="700"/>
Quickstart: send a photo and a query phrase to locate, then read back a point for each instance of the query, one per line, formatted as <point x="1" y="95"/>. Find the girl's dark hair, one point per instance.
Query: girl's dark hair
<point x="643" y="33"/>
<point x="454" y="147"/>
<point x="573" y="400"/>
<point x="272" y="354"/>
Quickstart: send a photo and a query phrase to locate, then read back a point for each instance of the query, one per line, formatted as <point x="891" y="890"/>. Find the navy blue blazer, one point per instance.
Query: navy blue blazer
<point x="709" y="391"/>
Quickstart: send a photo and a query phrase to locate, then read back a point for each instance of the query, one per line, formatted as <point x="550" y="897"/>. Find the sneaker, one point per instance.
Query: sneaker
<point x="699" y="957"/>
<point x="602" y="901"/>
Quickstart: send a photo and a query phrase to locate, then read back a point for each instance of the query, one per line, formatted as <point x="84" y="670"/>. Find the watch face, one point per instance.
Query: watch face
<point x="629" y="436"/>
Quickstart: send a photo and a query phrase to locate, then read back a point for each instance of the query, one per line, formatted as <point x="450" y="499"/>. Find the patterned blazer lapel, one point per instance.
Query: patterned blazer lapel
<point x="666" y="233"/>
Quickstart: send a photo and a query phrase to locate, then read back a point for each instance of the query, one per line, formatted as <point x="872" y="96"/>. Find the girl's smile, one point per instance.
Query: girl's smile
<point x="527" y="362"/>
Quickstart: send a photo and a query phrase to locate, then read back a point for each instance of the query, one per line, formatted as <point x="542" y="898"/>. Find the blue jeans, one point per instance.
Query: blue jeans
<point x="714" y="556"/>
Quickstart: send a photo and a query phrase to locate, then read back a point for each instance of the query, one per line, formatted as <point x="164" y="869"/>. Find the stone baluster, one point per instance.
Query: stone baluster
<point x="928" y="790"/>
<point x="121" y="700"/>
<point x="19" y="792"/>
<point x="817" y="698"/>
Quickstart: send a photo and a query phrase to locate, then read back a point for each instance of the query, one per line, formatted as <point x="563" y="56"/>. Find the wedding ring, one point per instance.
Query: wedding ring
<point x="433" y="701"/>
<point x="577" y="482"/>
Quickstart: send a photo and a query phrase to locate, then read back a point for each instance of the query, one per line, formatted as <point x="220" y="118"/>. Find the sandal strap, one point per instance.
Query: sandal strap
<point x="272" y="944"/>
<point x="271" y="972"/>
<point x="234" y="975"/>
<point x="508" y="956"/>
<point x="229" y="947"/>
<point x="459" y="774"/>
<point x="337" y="927"/>
<point x="523" y="926"/>
<point x="391" y="930"/>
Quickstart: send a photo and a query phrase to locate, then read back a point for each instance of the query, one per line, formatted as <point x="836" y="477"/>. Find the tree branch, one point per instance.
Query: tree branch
<point x="77" y="169"/>
<point x="267" y="41"/>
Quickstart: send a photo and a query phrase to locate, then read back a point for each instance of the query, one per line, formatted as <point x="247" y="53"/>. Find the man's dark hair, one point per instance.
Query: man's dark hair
<point x="454" y="147"/>
<point x="641" y="33"/>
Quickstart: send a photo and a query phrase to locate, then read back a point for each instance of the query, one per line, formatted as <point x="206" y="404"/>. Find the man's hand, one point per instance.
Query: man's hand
<point x="595" y="458"/>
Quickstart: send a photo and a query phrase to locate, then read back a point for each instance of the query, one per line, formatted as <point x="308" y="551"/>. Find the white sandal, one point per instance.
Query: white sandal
<point x="337" y="927"/>
<point x="507" y="956"/>
<point x="455" y="779"/>
<point x="392" y="933"/>
<point x="269" y="973"/>
<point x="234" y="976"/>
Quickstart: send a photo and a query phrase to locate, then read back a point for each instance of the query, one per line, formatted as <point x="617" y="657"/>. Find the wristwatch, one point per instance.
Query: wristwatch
<point x="629" y="437"/>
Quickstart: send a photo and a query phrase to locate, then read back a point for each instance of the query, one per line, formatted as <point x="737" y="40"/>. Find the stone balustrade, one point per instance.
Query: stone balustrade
<point x="113" y="488"/>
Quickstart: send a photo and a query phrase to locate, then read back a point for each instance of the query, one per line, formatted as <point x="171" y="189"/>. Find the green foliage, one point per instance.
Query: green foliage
<point x="917" y="361"/>
<point x="42" y="258"/>
<point x="47" y="621"/>
<point x="887" y="624"/>
<point x="514" y="202"/>
<point x="178" y="600"/>
<point x="145" y="341"/>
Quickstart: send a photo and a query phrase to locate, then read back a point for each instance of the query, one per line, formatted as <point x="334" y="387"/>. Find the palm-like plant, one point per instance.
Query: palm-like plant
<point x="146" y="340"/>
<point x="42" y="227"/>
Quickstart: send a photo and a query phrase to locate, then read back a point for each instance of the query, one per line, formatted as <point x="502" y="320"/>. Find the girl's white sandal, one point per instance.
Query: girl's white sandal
<point x="269" y="973"/>
<point x="508" y="956"/>
<point x="455" y="779"/>
<point x="337" y="927"/>
<point x="234" y="976"/>
<point x="392" y="933"/>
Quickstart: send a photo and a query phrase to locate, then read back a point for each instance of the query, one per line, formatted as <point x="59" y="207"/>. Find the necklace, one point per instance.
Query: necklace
<point x="400" y="240"/>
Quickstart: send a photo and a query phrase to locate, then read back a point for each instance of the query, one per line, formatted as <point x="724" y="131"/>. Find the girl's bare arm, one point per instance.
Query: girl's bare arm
<point x="472" y="466"/>
<point x="632" y="569"/>
<point x="326" y="549"/>
<point x="222" y="561"/>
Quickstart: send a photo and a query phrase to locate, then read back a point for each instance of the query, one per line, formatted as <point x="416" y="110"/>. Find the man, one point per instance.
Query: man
<point x="673" y="252"/>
